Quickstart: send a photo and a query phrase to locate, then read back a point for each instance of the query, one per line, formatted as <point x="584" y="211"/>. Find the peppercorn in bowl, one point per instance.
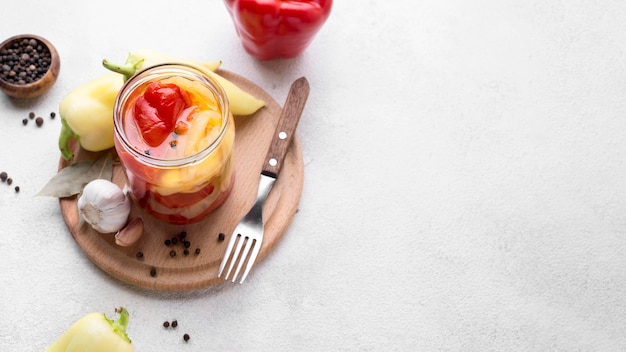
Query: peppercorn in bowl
<point x="29" y="66"/>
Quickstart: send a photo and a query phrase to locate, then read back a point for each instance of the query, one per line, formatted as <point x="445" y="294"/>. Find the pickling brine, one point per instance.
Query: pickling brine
<point x="175" y="134"/>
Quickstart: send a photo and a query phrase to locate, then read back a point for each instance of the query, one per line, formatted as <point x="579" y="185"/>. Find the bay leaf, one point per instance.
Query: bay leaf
<point x="102" y="168"/>
<point x="72" y="179"/>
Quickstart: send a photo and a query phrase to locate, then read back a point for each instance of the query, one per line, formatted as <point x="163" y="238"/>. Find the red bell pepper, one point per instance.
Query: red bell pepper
<point x="277" y="28"/>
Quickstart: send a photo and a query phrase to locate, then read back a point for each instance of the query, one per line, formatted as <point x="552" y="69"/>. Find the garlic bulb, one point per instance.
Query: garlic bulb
<point x="104" y="206"/>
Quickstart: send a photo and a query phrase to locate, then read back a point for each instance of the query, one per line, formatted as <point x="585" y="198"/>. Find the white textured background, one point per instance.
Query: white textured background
<point x="465" y="181"/>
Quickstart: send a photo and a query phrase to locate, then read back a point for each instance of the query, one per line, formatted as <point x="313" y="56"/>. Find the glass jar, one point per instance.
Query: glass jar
<point x="189" y="173"/>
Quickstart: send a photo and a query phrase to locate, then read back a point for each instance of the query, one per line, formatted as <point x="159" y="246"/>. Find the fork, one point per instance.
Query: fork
<point x="247" y="237"/>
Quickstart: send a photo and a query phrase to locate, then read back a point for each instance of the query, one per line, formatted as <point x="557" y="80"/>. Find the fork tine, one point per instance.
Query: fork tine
<point x="235" y="254"/>
<point x="253" y="255"/>
<point x="228" y="253"/>
<point x="244" y="254"/>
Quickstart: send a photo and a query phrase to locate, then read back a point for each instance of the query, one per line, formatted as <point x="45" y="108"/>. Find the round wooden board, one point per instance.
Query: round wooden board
<point x="195" y="271"/>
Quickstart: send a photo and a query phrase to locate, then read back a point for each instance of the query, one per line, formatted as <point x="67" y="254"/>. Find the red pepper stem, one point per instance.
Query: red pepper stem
<point x="119" y="326"/>
<point x="64" y="139"/>
<point x="128" y="69"/>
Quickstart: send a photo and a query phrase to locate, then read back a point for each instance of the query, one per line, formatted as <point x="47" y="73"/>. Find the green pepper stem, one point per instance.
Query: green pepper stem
<point x="128" y="69"/>
<point x="119" y="326"/>
<point x="64" y="139"/>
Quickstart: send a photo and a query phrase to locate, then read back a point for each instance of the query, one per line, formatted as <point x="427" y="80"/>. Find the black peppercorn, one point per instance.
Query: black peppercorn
<point x="168" y="242"/>
<point x="174" y="240"/>
<point x="139" y="255"/>
<point x="221" y="236"/>
<point x="17" y="189"/>
<point x="187" y="244"/>
<point x="153" y="272"/>
<point x="3" y="176"/>
<point x="197" y="250"/>
<point x="172" y="253"/>
<point x="9" y="181"/>
<point x="53" y="115"/>
<point x="174" y="324"/>
<point x="31" y="115"/>
<point x="39" y="121"/>
<point x="166" y="324"/>
<point x="24" y="122"/>
<point x="186" y="252"/>
<point x="186" y="337"/>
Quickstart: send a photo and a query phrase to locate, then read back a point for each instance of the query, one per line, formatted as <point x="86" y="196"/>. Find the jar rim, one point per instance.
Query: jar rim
<point x="163" y="71"/>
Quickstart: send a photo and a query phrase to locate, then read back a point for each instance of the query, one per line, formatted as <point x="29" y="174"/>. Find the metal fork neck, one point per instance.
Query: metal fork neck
<point x="265" y="186"/>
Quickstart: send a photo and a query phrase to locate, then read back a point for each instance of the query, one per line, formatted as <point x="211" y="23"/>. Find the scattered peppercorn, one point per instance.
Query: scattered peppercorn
<point x="174" y="324"/>
<point x="139" y="255"/>
<point x="153" y="272"/>
<point x="4" y="177"/>
<point x="31" y="115"/>
<point x="179" y="239"/>
<point x="166" y="324"/>
<point x="186" y="337"/>
<point x="221" y="236"/>
<point x="24" y="62"/>
<point x="39" y="121"/>
<point x="53" y="115"/>
<point x="24" y="122"/>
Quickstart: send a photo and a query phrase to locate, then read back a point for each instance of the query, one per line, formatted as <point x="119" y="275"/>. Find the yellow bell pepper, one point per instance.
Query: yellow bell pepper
<point x="240" y="102"/>
<point x="96" y="333"/>
<point x="87" y="115"/>
<point x="152" y="57"/>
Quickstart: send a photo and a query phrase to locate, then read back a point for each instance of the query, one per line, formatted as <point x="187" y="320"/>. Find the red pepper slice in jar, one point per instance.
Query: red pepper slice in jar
<point x="156" y="111"/>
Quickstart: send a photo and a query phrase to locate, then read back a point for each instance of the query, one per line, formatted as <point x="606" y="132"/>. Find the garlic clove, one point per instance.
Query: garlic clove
<point x="104" y="206"/>
<point x="130" y="234"/>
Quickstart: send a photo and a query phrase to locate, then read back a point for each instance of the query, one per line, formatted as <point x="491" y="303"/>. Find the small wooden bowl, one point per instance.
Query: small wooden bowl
<point x="40" y="86"/>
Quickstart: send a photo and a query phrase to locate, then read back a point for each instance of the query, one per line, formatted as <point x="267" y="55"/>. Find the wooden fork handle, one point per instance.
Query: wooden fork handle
<point x="286" y="128"/>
